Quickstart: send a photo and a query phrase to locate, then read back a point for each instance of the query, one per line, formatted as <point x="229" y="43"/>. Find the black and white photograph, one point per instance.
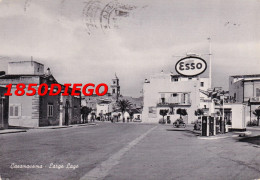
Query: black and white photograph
<point x="129" y="90"/>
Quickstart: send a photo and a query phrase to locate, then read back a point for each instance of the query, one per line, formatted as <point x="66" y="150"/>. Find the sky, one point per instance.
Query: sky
<point x="87" y="41"/>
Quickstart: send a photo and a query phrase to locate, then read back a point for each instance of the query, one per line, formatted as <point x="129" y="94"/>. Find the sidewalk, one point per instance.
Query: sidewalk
<point x="53" y="127"/>
<point x="69" y="126"/>
<point x="256" y="128"/>
<point x="7" y="131"/>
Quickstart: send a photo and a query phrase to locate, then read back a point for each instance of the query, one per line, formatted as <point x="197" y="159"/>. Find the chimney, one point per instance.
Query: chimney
<point x="48" y="72"/>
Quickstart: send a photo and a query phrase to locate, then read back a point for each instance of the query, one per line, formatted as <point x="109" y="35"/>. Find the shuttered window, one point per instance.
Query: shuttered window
<point x="14" y="110"/>
<point x="50" y="110"/>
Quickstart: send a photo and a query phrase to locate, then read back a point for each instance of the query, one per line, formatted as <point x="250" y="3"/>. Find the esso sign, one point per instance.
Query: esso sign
<point x="191" y="66"/>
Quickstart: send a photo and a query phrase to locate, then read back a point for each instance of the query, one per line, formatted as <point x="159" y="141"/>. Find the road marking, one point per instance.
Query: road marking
<point x="101" y="171"/>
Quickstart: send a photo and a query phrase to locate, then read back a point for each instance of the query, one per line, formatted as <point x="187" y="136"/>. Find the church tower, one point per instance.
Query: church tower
<point x="115" y="88"/>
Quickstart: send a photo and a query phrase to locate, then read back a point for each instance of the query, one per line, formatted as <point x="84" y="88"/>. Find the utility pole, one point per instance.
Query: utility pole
<point x="210" y="71"/>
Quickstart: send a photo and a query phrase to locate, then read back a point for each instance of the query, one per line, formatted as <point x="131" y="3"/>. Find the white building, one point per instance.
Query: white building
<point x="104" y="107"/>
<point x="168" y="91"/>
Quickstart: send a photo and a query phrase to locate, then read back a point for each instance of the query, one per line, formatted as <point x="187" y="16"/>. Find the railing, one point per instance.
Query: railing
<point x="168" y="104"/>
<point x="255" y="99"/>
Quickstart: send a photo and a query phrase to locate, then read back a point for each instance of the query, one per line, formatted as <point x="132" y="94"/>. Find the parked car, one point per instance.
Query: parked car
<point x="179" y="123"/>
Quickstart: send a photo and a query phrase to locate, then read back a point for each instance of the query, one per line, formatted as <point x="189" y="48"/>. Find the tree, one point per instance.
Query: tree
<point x="163" y="112"/>
<point x="171" y="105"/>
<point x="199" y="112"/>
<point x="123" y="105"/>
<point x="257" y="114"/>
<point x="85" y="111"/>
<point x="181" y="112"/>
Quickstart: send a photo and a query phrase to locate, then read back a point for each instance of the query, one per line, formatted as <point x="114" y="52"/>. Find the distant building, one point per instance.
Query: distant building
<point x="173" y="92"/>
<point x="115" y="88"/>
<point x="244" y="87"/>
<point x="36" y="111"/>
<point x="4" y="106"/>
<point x="103" y="105"/>
<point x="137" y="114"/>
<point x="104" y="109"/>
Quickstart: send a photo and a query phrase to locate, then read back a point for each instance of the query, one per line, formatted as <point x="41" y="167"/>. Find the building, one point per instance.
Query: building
<point x="115" y="88"/>
<point x="36" y="111"/>
<point x="103" y="106"/>
<point x="246" y="89"/>
<point x="4" y="109"/>
<point x="137" y="115"/>
<point x="172" y="92"/>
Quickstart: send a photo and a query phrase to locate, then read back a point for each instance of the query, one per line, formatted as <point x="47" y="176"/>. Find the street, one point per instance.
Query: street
<point x="125" y="151"/>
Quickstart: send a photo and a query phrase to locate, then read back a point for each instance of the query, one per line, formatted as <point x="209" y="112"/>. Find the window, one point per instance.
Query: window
<point x="257" y="92"/>
<point x="163" y="100"/>
<point x="183" y="98"/>
<point x="49" y="110"/>
<point x="189" y="78"/>
<point x="14" y="110"/>
<point x="174" y="95"/>
<point x="114" y="82"/>
<point x="114" y="91"/>
<point x="176" y="79"/>
<point x="201" y="84"/>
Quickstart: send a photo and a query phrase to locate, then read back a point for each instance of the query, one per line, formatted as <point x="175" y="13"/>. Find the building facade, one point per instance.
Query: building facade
<point x="4" y="109"/>
<point x="172" y="92"/>
<point x="36" y="111"/>
<point x="246" y="89"/>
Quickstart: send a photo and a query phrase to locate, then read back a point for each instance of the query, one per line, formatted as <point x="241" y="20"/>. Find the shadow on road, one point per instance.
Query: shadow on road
<point x="252" y="140"/>
<point x="188" y="131"/>
<point x="176" y="130"/>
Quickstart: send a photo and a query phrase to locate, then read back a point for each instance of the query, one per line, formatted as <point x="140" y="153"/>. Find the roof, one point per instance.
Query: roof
<point x="136" y="111"/>
<point x="15" y="76"/>
<point x="246" y="76"/>
<point x="15" y="62"/>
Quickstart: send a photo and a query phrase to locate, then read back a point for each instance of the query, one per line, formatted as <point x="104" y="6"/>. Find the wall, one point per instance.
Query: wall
<point x="4" y="110"/>
<point x="162" y="84"/>
<point x="44" y="120"/>
<point x="73" y="110"/>
<point x="27" y="111"/>
<point x="251" y="89"/>
<point x="25" y="67"/>
<point x="236" y="90"/>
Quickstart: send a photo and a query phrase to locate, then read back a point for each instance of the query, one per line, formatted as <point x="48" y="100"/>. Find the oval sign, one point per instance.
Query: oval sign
<point x="191" y="66"/>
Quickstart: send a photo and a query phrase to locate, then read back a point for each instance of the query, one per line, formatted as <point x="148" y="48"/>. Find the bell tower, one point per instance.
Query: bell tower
<point x="115" y="88"/>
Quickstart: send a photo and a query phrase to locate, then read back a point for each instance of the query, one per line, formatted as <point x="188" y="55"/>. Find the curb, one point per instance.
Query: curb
<point x="9" y="132"/>
<point x="214" y="138"/>
<point x="53" y="127"/>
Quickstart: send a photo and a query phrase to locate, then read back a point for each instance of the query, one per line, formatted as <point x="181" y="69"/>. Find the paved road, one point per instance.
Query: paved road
<point x="126" y="151"/>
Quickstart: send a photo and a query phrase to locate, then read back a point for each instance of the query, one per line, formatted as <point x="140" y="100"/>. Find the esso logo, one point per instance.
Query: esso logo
<point x="191" y="66"/>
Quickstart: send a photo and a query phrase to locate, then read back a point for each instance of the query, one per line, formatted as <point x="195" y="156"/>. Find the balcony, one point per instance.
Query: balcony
<point x="172" y="104"/>
<point x="253" y="100"/>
